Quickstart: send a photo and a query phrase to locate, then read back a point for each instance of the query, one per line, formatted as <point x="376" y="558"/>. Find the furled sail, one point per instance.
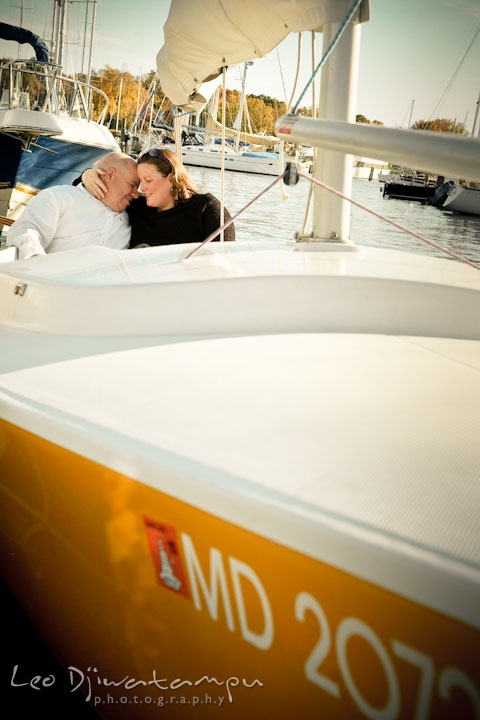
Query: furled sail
<point x="203" y="37"/>
<point x="22" y="36"/>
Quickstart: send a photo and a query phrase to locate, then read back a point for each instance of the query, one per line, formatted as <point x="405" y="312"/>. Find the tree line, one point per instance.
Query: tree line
<point x="136" y="96"/>
<point x="438" y="125"/>
<point x="263" y="110"/>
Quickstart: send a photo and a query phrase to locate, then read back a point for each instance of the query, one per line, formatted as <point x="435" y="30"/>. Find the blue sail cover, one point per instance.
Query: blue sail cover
<point x="20" y="35"/>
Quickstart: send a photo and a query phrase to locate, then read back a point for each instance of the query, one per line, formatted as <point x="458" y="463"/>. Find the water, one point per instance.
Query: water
<point x="271" y="219"/>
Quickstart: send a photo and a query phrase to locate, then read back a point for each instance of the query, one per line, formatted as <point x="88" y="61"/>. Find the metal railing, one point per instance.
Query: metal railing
<point x="34" y="85"/>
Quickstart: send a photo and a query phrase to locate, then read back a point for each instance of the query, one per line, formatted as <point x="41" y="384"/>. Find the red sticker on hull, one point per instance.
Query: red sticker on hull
<point x="166" y="557"/>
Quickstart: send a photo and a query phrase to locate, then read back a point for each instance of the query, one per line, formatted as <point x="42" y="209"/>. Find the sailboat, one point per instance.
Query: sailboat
<point x="246" y="480"/>
<point x="211" y="155"/>
<point x="47" y="133"/>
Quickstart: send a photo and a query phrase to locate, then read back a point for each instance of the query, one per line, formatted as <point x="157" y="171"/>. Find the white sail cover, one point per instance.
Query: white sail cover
<point x="203" y="36"/>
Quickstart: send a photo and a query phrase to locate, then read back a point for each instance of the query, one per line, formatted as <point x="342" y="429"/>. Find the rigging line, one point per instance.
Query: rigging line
<point x="450" y="83"/>
<point x="147" y="103"/>
<point x="287" y="110"/>
<point x="405" y="116"/>
<point x="222" y="158"/>
<point x="281" y="75"/>
<point x="391" y="222"/>
<point x="232" y="220"/>
<point x="299" y="52"/>
<point x="334" y="42"/>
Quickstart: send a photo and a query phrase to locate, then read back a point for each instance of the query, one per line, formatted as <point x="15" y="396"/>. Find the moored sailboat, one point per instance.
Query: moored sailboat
<point x="231" y="156"/>
<point x="248" y="479"/>
<point x="47" y="131"/>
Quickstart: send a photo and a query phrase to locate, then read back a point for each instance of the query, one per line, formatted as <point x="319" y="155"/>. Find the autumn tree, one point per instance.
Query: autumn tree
<point x="262" y="116"/>
<point x="363" y="119"/>
<point x="440" y="125"/>
<point x="109" y="81"/>
<point x="305" y="111"/>
<point x="264" y="111"/>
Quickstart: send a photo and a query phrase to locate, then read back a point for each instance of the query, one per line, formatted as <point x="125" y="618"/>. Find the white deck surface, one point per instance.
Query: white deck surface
<point x="360" y="426"/>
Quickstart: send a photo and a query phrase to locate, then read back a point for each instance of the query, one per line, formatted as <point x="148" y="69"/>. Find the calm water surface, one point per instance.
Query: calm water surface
<point x="273" y="219"/>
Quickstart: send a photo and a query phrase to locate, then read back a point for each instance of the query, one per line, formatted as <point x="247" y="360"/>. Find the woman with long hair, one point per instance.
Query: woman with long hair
<point x="169" y="210"/>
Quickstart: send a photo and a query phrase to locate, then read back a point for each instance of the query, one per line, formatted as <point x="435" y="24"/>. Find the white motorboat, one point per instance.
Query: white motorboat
<point x="249" y="478"/>
<point x="463" y="199"/>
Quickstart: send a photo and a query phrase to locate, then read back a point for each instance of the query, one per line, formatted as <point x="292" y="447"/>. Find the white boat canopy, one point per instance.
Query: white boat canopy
<point x="203" y="37"/>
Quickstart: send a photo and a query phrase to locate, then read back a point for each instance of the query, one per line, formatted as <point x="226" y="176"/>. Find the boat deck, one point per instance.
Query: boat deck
<point x="365" y="429"/>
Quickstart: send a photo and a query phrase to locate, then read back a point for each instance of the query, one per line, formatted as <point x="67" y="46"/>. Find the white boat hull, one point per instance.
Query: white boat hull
<point x="211" y="157"/>
<point x="56" y="159"/>
<point x="462" y="199"/>
<point x="367" y="168"/>
<point x="47" y="137"/>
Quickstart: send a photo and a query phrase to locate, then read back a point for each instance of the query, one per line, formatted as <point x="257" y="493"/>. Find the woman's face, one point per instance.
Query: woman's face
<point x="155" y="187"/>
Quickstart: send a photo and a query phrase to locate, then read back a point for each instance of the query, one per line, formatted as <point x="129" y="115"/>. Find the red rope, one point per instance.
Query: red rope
<point x="391" y="222"/>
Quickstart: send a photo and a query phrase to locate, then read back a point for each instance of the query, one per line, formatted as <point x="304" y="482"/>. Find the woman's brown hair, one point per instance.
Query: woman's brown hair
<point x="166" y="162"/>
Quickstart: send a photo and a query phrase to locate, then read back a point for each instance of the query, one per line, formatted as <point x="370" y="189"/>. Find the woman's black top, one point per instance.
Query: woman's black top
<point x="190" y="221"/>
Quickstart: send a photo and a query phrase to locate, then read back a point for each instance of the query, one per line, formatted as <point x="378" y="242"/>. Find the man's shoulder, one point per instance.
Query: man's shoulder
<point x="60" y="191"/>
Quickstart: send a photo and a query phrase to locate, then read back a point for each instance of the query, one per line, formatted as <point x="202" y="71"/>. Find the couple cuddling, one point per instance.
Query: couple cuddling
<point x="107" y="209"/>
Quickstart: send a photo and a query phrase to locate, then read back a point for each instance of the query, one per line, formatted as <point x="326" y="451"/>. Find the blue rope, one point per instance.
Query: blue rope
<point x="332" y="45"/>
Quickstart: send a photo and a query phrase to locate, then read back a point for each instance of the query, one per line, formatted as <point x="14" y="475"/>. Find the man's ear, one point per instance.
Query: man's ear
<point x="109" y="174"/>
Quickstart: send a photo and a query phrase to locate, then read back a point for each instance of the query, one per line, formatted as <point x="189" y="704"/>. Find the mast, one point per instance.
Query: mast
<point x="331" y="218"/>
<point x="89" y="73"/>
<point x="237" y="125"/>
<point x="475" y="118"/>
<point x="119" y="103"/>
<point x="61" y="23"/>
<point x="22" y="8"/>
<point x="134" y="126"/>
<point x="85" y="35"/>
<point x="411" y="113"/>
<point x="91" y="41"/>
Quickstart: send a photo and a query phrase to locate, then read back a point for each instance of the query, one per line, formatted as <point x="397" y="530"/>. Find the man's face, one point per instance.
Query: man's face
<point x="123" y="188"/>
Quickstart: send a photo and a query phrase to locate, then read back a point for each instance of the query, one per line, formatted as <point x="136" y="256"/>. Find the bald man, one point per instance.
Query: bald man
<point x="64" y="217"/>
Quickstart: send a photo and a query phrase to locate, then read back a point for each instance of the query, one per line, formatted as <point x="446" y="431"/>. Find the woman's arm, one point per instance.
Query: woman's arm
<point x="91" y="178"/>
<point x="211" y="220"/>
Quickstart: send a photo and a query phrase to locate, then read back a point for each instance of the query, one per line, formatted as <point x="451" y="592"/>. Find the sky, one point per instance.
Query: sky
<point x="412" y="64"/>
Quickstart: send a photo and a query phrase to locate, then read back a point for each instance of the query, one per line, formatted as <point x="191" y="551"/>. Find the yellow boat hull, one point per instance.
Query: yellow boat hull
<point x="150" y="601"/>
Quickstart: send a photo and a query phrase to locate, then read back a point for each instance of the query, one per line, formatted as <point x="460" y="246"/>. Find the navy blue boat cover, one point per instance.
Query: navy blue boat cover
<point x="20" y="35"/>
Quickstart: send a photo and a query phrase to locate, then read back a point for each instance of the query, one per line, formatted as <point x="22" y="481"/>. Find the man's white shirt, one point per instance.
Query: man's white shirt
<point x="65" y="217"/>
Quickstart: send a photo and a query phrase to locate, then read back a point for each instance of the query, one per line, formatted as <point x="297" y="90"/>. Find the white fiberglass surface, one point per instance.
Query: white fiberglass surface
<point x="381" y="431"/>
<point x="103" y="266"/>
